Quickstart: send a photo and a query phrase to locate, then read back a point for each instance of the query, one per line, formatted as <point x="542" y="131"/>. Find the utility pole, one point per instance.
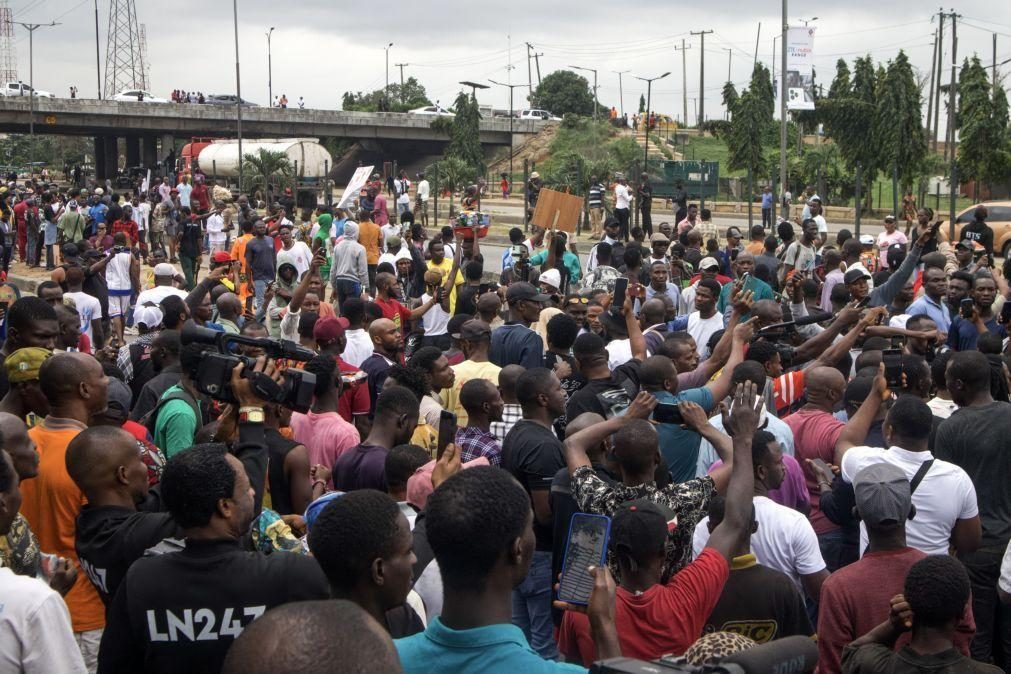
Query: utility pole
<point x="537" y="65"/>
<point x="401" y="66"/>
<point x="31" y="28"/>
<point x="238" y="88"/>
<point x="98" y="58"/>
<point x="933" y="76"/>
<point x="684" y="78"/>
<point x="949" y="143"/>
<point x="621" y="94"/>
<point x="940" y="69"/>
<point x="530" y="77"/>
<point x="782" y="110"/>
<point x="993" y="72"/>
<point x="270" y="71"/>
<point x="701" y="116"/>
<point x="730" y="60"/>
<point x="758" y="36"/>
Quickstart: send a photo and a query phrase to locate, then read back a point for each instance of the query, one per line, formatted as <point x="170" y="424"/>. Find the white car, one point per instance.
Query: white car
<point x="436" y="110"/>
<point x="539" y="114"/>
<point x="138" y="95"/>
<point x="22" y="89"/>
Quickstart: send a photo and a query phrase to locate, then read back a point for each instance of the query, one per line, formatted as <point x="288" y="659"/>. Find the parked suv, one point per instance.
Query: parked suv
<point x="539" y="114"/>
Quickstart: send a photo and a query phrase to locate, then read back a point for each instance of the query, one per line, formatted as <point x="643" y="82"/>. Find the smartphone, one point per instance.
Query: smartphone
<point x="620" y="288"/>
<point x="447" y="431"/>
<point x="667" y="413"/>
<point x="936" y="226"/>
<point x="822" y="465"/>
<point x="586" y="547"/>
<point x="249" y="304"/>
<point x="4" y="306"/>
<point x="517" y="251"/>
<point x="745" y="277"/>
<point x="892" y="358"/>
<point x="733" y="254"/>
<point x="965" y="308"/>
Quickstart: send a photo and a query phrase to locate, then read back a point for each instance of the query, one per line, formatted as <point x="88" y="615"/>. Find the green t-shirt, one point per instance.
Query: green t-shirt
<point x="176" y="426"/>
<point x="325" y="222"/>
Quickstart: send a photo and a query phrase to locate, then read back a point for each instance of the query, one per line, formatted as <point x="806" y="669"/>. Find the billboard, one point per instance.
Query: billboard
<point x="799" y="68"/>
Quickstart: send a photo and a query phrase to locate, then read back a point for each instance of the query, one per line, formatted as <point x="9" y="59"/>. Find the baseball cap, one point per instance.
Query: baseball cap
<point x="24" y="364"/>
<point x="733" y="232"/>
<point x="889" y="218"/>
<point x="164" y="269"/>
<point x="709" y="263"/>
<point x="316" y="507"/>
<point x="658" y="238"/>
<point x="454" y="324"/>
<point x="99" y="191"/>
<point x="883" y="495"/>
<point x="221" y="256"/>
<point x="393" y="241"/>
<point x="552" y="277"/>
<point x="524" y="291"/>
<point x="330" y="328"/>
<point x="149" y="316"/>
<point x="119" y="396"/>
<point x="474" y="330"/>
<point x="641" y="526"/>
<point x="854" y="275"/>
<point x="866" y="240"/>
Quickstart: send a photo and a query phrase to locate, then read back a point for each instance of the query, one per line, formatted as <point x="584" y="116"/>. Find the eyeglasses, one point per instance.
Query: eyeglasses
<point x="578" y="300"/>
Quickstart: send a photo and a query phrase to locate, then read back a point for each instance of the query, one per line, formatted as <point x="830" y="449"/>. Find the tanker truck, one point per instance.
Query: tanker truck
<point x="219" y="159"/>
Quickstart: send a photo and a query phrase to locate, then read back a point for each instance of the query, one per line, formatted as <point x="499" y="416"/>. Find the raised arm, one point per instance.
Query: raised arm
<point x="743" y="333"/>
<point x="855" y="431"/>
<point x="297" y="297"/>
<point x="577" y="445"/>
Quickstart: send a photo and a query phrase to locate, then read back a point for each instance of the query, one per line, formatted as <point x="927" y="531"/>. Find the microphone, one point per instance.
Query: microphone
<point x="791" y="655"/>
<point x="817" y="317"/>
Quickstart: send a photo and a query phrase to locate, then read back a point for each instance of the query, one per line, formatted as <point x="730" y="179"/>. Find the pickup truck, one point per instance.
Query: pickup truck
<point x="22" y="89"/>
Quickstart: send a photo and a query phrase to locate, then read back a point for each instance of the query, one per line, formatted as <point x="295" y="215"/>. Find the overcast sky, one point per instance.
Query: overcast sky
<point x="322" y="48"/>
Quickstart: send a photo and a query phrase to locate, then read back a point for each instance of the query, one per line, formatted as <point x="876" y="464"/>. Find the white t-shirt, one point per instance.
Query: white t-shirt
<point x="619" y="352"/>
<point x="701" y="329"/>
<point x="216" y="229"/>
<point x="89" y="309"/>
<point x="622" y="198"/>
<point x="423" y="190"/>
<point x="35" y="631"/>
<point x="944" y="496"/>
<point x="359" y="347"/>
<point x="117" y="272"/>
<point x="941" y="408"/>
<point x="142" y="215"/>
<point x="1004" y="582"/>
<point x="435" y="319"/>
<point x="784" y="541"/>
<point x="157" y="294"/>
<point x="822" y="225"/>
<point x="389" y="230"/>
<point x="299" y="255"/>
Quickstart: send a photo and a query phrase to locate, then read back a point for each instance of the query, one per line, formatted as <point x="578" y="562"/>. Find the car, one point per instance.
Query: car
<point x="22" y="89"/>
<point x="543" y="115"/>
<point x="999" y="219"/>
<point x="137" y="96"/>
<point x="227" y="99"/>
<point x="435" y="110"/>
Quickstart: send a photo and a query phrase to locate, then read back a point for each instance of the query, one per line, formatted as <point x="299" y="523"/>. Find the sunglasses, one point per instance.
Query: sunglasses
<point x="578" y="300"/>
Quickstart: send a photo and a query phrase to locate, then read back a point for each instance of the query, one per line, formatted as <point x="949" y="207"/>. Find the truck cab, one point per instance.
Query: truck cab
<point x="22" y="89"/>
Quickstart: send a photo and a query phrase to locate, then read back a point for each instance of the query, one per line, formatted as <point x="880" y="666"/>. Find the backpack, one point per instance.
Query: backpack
<point x="150" y="420"/>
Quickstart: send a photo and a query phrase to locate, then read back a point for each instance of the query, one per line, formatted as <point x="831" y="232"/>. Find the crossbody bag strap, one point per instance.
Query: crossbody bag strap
<point x="920" y="474"/>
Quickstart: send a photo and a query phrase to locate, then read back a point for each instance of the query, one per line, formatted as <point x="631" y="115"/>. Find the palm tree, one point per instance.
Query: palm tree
<point x="266" y="168"/>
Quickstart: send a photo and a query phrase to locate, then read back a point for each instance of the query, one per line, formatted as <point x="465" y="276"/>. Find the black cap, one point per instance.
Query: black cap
<point x="525" y="291"/>
<point x="855" y="274"/>
<point x="640" y="527"/>
<point x="455" y="323"/>
<point x="474" y="330"/>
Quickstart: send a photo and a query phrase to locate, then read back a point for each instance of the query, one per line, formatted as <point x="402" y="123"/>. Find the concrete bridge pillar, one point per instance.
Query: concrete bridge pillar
<point x="101" y="172"/>
<point x="111" y="148"/>
<point x="133" y="151"/>
<point x="149" y="151"/>
<point x="168" y="144"/>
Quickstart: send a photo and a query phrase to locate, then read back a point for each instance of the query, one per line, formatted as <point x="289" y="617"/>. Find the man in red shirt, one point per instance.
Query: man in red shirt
<point x="854" y="600"/>
<point x="354" y="403"/>
<point x="388" y="294"/>
<point x="200" y="200"/>
<point x="815" y="433"/>
<point x="127" y="225"/>
<point x="20" y="216"/>
<point x="654" y="619"/>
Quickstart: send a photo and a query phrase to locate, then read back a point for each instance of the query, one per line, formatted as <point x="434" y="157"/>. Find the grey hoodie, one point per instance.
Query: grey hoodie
<point x="349" y="263"/>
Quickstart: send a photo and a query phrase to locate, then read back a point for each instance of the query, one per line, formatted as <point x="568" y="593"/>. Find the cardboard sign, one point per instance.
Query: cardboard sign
<point x="557" y="210"/>
<point x="361" y="175"/>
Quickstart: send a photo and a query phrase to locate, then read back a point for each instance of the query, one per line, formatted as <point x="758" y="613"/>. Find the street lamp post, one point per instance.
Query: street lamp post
<point x="511" y="87"/>
<point x="31" y="28"/>
<point x="238" y="88"/>
<point x="386" y="91"/>
<point x="807" y="21"/>
<point x="594" y="71"/>
<point x="621" y="94"/>
<point x="270" y="72"/>
<point x="649" y="99"/>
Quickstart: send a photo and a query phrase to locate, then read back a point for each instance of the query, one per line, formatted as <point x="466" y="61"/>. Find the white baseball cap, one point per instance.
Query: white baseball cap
<point x="164" y="269"/>
<point x="552" y="277"/>
<point x="149" y="316"/>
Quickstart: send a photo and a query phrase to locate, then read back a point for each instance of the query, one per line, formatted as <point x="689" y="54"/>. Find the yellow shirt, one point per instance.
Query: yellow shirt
<point x="464" y="372"/>
<point x="445" y="267"/>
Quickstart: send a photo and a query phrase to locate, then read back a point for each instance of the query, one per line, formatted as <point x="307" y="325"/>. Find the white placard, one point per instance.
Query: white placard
<point x="361" y="175"/>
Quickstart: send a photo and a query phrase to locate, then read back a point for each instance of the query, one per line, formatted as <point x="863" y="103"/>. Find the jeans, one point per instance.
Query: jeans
<point x="345" y="289"/>
<point x="647" y="220"/>
<point x="189" y="265"/>
<point x="259" y="287"/>
<point x="532" y="606"/>
<point x="372" y="278"/>
<point x="49" y="258"/>
<point x="831" y="544"/>
<point x="992" y="642"/>
<point x="767" y="218"/>
<point x="622" y="215"/>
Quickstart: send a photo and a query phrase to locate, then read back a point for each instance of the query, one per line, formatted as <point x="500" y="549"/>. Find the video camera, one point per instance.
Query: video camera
<point x="791" y="655"/>
<point x="215" y="375"/>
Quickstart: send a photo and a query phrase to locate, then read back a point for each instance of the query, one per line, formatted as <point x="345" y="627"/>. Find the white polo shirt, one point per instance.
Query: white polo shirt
<point x="622" y="197"/>
<point x="784" y="541"/>
<point x="944" y="496"/>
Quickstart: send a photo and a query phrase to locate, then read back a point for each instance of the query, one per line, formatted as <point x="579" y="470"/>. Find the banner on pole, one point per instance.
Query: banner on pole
<point x="799" y="68"/>
<point x="355" y="185"/>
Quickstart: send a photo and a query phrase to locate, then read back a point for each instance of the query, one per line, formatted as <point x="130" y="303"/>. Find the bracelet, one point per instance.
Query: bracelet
<point x="825" y="482"/>
<point x="250" y="408"/>
<point x="316" y="482"/>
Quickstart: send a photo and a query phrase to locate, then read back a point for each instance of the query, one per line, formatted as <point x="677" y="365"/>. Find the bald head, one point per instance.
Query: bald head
<point x="66" y="376"/>
<point x="229" y="305"/>
<point x="99" y="459"/>
<point x="768" y="312"/>
<point x="14" y="439"/>
<point x="380" y="326"/>
<point x="582" y="422"/>
<point x="824" y="386"/>
<point x="653" y="311"/>
<point x="507" y="379"/>
<point x="297" y="637"/>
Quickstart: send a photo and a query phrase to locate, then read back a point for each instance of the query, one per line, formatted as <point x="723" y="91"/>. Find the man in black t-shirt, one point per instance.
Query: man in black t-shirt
<point x="533" y="455"/>
<point x="606" y="393"/>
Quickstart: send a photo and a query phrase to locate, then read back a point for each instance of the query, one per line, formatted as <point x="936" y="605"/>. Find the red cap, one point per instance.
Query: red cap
<point x="328" y="329"/>
<point x="221" y="256"/>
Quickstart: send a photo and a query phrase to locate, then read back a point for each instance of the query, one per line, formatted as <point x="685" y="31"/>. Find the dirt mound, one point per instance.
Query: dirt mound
<point x="535" y="148"/>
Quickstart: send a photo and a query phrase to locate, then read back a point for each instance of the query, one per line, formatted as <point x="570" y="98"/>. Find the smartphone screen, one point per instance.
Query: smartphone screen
<point x="586" y="547"/>
<point x="249" y="304"/>
<point x="892" y="358"/>
<point x="447" y="431"/>
<point x="667" y="413"/>
<point x="620" y="288"/>
<point x="965" y="308"/>
<point x="822" y="465"/>
<point x="1005" y="312"/>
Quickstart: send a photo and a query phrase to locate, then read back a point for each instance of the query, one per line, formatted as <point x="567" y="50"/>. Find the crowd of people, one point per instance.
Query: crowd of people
<point x="791" y="435"/>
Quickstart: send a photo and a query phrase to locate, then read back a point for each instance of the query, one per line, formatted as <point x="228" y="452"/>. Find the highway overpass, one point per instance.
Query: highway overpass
<point x="142" y="125"/>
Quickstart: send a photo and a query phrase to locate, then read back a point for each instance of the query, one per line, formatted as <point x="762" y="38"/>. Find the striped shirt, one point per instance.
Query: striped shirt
<point x="596" y="195"/>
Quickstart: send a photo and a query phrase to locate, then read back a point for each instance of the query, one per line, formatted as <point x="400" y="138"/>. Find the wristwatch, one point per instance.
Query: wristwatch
<point x="251" y="414"/>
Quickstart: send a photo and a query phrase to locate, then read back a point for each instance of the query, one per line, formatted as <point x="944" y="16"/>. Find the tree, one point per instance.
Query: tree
<point x="750" y="123"/>
<point x="465" y="134"/>
<point x="642" y="105"/>
<point x="849" y="113"/>
<point x="898" y="124"/>
<point x="730" y="96"/>
<point x="265" y="168"/>
<point x="563" y="91"/>
<point x="982" y="122"/>
<point x="451" y="173"/>
<point x="401" y="99"/>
